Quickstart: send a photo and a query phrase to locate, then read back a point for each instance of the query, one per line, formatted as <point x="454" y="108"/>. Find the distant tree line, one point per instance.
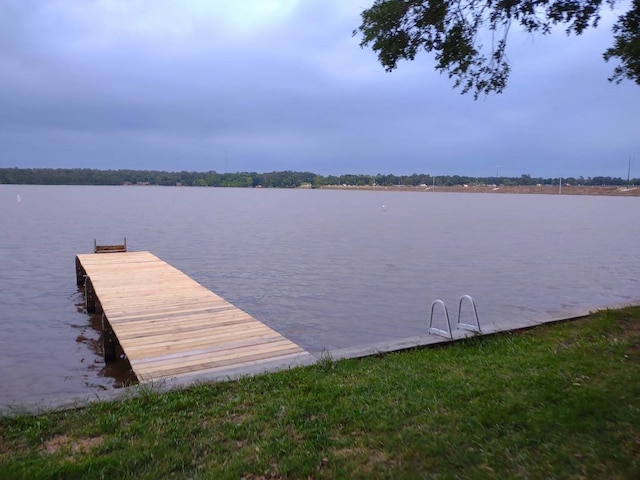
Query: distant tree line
<point x="286" y="179"/>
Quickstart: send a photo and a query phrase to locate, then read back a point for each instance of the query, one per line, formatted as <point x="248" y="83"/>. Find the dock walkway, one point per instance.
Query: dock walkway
<point x="167" y="324"/>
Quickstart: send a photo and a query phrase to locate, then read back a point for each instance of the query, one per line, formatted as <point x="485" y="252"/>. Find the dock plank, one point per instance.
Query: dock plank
<point x="169" y="325"/>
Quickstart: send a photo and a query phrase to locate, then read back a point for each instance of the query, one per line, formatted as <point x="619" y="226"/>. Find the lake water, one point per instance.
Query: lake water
<point x="327" y="269"/>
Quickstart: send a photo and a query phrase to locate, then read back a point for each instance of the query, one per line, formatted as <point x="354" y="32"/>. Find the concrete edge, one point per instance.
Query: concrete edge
<point x="233" y="373"/>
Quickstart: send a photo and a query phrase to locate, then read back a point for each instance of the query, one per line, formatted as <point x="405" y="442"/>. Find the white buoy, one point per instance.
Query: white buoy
<point x="384" y="208"/>
<point x="19" y="199"/>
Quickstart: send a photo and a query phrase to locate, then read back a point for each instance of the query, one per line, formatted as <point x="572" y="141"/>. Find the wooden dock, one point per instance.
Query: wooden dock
<point x="167" y="324"/>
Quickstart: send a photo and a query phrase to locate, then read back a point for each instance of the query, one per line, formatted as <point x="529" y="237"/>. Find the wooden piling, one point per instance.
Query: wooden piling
<point x="109" y="341"/>
<point x="91" y="302"/>
<point x="80" y="274"/>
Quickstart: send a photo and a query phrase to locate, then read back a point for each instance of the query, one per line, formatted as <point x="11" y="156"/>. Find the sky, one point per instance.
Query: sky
<point x="272" y="85"/>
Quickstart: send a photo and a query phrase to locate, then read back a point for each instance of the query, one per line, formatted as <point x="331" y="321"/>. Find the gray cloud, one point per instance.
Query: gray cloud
<point x="175" y="85"/>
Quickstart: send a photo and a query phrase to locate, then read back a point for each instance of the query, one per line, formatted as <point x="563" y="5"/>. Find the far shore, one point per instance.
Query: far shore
<point x="632" y="191"/>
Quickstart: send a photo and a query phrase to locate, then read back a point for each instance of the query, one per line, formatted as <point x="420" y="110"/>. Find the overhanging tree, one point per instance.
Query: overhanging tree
<point x="469" y="37"/>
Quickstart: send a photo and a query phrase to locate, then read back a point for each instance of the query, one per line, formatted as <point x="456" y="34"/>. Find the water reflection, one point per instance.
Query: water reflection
<point x="119" y="371"/>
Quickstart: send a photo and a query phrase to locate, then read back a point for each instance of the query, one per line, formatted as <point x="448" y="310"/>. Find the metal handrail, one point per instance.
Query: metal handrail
<point x="439" y="331"/>
<point x="467" y="326"/>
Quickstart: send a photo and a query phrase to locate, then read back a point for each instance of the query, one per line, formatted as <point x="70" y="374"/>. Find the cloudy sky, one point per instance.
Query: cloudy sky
<point x="269" y="85"/>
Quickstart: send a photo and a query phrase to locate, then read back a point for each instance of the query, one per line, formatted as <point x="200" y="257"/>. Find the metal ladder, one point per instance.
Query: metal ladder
<point x="459" y="325"/>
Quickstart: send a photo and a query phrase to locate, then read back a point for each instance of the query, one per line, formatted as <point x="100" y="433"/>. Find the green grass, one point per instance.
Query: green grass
<point x="558" y="401"/>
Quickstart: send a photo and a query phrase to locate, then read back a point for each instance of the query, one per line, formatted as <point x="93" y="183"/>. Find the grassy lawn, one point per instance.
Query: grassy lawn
<point x="558" y="401"/>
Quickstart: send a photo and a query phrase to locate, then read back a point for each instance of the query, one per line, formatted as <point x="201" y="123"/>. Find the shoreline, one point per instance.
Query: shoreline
<point x="62" y="402"/>
<point x="632" y="191"/>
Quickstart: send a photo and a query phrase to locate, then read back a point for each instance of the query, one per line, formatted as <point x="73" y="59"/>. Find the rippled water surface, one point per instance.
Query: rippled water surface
<point x="328" y="269"/>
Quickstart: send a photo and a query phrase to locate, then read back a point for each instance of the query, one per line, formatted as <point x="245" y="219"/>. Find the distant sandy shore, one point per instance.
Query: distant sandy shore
<point x="633" y="191"/>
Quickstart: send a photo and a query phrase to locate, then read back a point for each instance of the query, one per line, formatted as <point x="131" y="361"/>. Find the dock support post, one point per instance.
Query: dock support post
<point x="80" y="273"/>
<point x="109" y="340"/>
<point x="91" y="302"/>
<point x="89" y="296"/>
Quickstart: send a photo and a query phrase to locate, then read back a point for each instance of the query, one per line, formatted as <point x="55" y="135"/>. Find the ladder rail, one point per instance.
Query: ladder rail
<point x="475" y="327"/>
<point x="467" y="326"/>
<point x="439" y="331"/>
